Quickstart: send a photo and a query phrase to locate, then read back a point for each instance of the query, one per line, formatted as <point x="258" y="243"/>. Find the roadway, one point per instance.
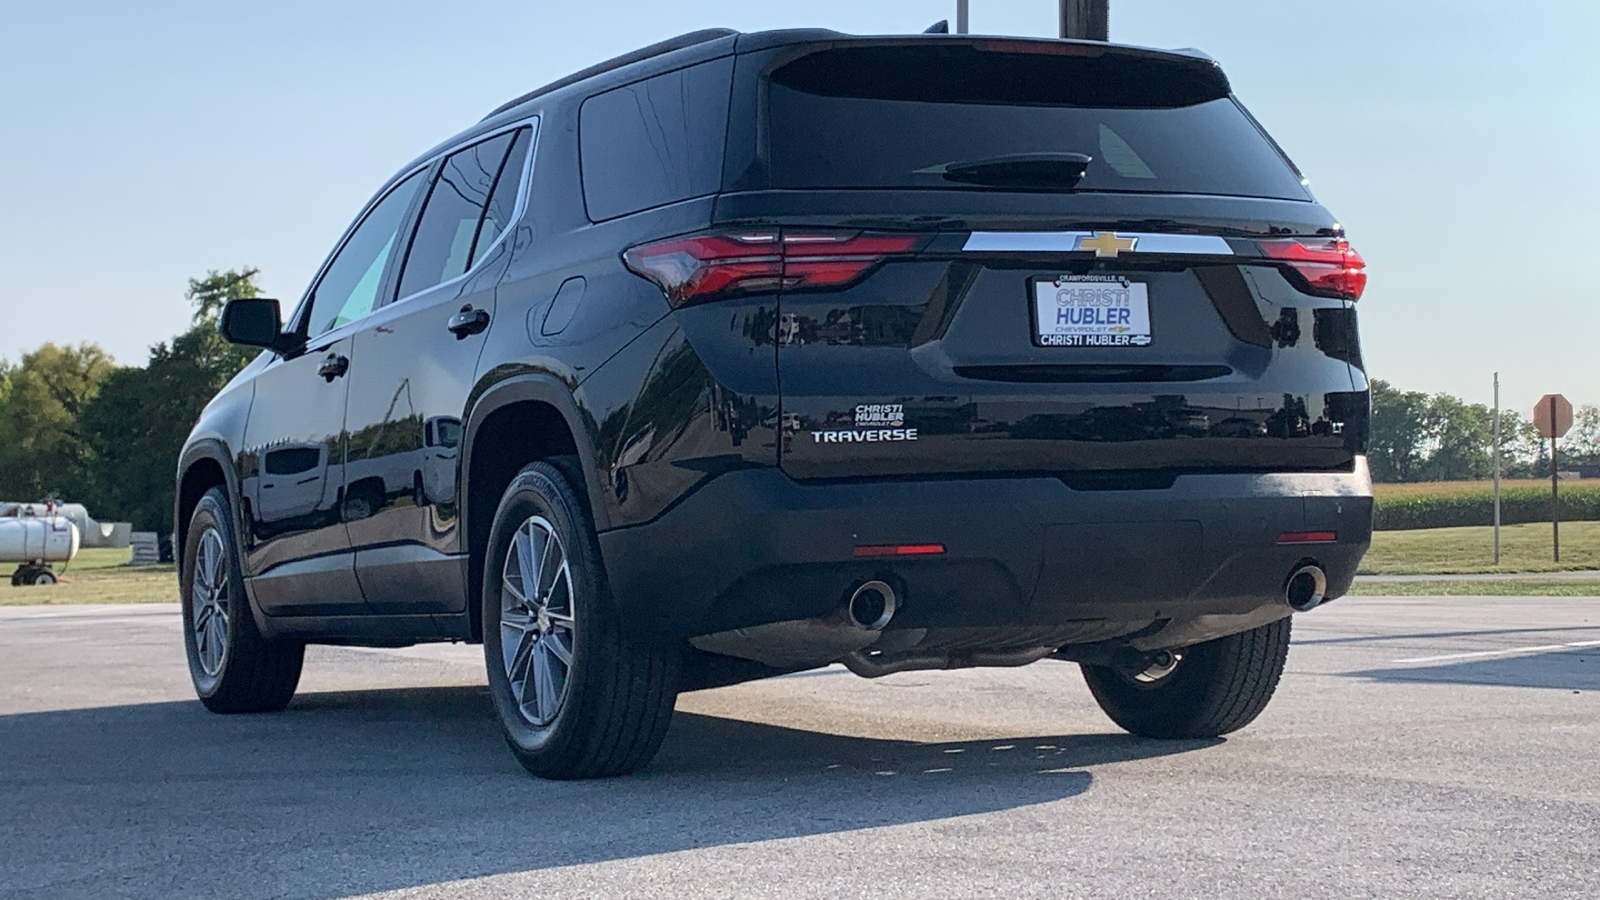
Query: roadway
<point x="1418" y="747"/>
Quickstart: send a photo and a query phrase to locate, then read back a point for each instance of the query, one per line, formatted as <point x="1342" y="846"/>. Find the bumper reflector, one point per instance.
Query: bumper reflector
<point x="899" y="549"/>
<point x="1308" y="537"/>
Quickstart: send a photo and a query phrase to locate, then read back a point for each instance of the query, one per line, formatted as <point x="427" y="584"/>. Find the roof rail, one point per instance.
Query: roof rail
<point x="643" y="53"/>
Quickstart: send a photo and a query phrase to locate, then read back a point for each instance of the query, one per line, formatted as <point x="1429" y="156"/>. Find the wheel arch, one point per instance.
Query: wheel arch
<point x="203" y="466"/>
<point x="516" y="422"/>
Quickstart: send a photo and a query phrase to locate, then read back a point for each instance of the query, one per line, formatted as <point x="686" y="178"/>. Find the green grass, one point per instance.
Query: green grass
<point x="1478" y="588"/>
<point x="97" y="575"/>
<point x="1451" y="551"/>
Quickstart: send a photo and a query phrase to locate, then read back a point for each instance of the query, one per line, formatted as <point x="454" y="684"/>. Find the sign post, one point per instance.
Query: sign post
<point x="1553" y="417"/>
<point x="1086" y="20"/>
<point x="1497" y="468"/>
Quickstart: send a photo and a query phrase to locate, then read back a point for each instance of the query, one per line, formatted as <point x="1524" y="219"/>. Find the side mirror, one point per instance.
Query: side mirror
<point x="254" y="322"/>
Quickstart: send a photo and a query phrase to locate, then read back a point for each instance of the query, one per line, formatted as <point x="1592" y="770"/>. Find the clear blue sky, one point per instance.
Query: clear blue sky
<point x="141" y="144"/>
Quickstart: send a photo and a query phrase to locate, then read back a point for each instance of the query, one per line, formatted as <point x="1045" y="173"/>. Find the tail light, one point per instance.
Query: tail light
<point x="1308" y="537"/>
<point x="705" y="267"/>
<point x="1329" y="265"/>
<point x="899" y="549"/>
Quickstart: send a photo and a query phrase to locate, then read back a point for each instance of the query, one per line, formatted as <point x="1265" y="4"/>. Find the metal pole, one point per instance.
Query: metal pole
<point x="1555" y="498"/>
<point x="961" y="16"/>
<point x="1086" y="20"/>
<point x="1497" y="468"/>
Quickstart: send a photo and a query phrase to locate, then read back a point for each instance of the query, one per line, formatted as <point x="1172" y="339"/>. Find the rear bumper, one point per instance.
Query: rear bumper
<point x="753" y="546"/>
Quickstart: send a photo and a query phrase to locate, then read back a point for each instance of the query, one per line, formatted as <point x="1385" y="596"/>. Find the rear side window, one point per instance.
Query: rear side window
<point x="442" y="245"/>
<point x="655" y="142"/>
<point x="898" y="117"/>
<point x="503" y="202"/>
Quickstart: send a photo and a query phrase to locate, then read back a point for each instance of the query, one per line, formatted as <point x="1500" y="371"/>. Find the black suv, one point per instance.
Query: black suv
<point x="746" y="354"/>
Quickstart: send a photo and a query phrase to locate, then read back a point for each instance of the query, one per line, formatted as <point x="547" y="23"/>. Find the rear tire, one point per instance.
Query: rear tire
<point x="1216" y="688"/>
<point x="43" y="576"/>
<point x="575" y="695"/>
<point x="234" y="668"/>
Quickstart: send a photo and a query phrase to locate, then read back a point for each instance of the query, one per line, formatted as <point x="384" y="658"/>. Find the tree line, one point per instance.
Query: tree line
<point x="1440" y="437"/>
<point x="77" y="426"/>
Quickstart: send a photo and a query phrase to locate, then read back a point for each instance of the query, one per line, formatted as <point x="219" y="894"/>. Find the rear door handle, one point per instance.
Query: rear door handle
<point x="468" y="321"/>
<point x="333" y="367"/>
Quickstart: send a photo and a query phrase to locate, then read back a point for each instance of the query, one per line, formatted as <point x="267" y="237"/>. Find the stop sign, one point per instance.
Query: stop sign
<point x="1552" y="418"/>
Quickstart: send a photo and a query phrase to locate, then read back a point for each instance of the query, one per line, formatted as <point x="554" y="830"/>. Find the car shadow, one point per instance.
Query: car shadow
<point x="354" y="792"/>
<point x="1567" y="669"/>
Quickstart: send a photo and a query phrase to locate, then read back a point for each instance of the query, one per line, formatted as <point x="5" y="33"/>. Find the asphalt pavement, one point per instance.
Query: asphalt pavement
<point x="1418" y="747"/>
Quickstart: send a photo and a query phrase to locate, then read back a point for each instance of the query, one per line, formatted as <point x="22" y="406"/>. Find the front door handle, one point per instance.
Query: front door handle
<point x="468" y="321"/>
<point x="333" y="367"/>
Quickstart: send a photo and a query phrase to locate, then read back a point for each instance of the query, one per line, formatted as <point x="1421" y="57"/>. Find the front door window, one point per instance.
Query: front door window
<point x="349" y="286"/>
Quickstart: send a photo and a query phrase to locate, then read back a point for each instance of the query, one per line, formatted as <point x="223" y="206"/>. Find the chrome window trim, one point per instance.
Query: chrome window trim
<point x="523" y="189"/>
<point x="1067" y="242"/>
<point x="302" y="309"/>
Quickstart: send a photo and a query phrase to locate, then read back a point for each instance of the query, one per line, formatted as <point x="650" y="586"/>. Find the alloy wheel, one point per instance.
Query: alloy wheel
<point x="210" y="602"/>
<point x="536" y="620"/>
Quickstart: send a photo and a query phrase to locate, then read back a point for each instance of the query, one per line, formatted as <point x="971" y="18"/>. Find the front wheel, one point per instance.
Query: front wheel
<point x="234" y="668"/>
<point x="1203" y="691"/>
<point x="576" y="696"/>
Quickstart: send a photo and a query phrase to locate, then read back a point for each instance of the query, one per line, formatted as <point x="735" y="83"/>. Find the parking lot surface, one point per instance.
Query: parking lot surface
<point x="1418" y="747"/>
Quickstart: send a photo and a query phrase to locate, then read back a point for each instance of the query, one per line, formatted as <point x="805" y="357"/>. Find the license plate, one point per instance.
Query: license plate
<point x="1090" y="311"/>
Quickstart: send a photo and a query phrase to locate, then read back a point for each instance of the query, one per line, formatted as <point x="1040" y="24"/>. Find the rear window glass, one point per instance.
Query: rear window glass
<point x="503" y="203"/>
<point x="441" y="247"/>
<point x="655" y="142"/>
<point x="899" y="117"/>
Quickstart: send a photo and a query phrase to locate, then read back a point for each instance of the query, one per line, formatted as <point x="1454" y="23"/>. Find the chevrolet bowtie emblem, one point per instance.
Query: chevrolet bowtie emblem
<point x="1106" y="243"/>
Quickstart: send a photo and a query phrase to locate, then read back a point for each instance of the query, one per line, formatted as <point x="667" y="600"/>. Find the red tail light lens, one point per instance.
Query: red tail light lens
<point x="870" y="550"/>
<point x="707" y="267"/>
<point x="1047" y="48"/>
<point x="1329" y="265"/>
<point x="1308" y="537"/>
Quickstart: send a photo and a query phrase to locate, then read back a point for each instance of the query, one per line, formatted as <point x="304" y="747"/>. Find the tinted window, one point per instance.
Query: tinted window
<point x="897" y="117"/>
<point x="349" y="286"/>
<point x="503" y="202"/>
<point x="655" y="142"/>
<point x="441" y="246"/>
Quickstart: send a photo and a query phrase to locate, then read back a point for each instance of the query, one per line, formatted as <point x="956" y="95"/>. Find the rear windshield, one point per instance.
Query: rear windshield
<point x="897" y="117"/>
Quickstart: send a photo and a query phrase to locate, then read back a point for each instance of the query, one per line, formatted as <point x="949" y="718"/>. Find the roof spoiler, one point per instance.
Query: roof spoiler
<point x="617" y="62"/>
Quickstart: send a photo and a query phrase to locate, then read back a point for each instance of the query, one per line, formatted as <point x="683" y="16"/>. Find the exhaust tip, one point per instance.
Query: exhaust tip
<point x="1306" y="588"/>
<point x="872" y="605"/>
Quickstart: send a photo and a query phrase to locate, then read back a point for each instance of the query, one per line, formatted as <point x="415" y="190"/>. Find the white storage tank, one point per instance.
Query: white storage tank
<point x="38" y="539"/>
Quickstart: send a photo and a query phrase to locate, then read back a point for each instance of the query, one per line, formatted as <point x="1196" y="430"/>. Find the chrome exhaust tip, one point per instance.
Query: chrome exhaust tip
<point x="1306" y="588"/>
<point x="872" y="605"/>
